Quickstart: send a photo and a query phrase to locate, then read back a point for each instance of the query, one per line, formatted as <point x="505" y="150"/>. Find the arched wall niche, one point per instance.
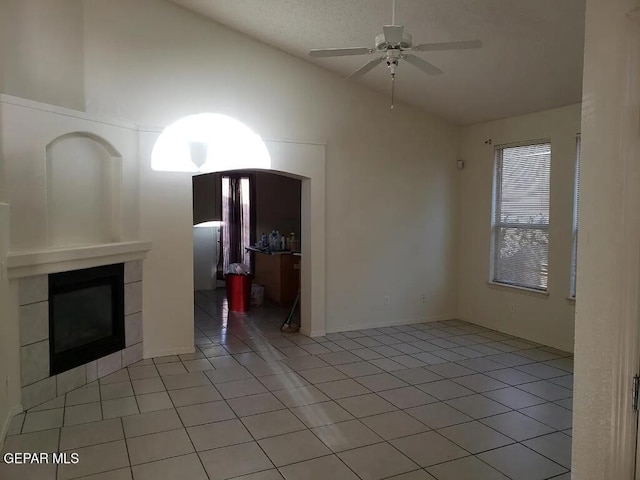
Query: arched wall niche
<point x="84" y="191"/>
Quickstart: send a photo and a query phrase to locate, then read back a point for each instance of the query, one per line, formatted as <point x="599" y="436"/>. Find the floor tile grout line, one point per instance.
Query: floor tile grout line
<point x="59" y="448"/>
<point x="488" y="450"/>
<point x="260" y="446"/>
<point x="249" y="431"/>
<point x="126" y="446"/>
<point x="175" y="409"/>
<point x="297" y="372"/>
<point x="103" y="471"/>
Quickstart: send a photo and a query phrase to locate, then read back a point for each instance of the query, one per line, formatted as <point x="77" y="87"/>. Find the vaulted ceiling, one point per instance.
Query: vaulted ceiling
<point x="531" y="59"/>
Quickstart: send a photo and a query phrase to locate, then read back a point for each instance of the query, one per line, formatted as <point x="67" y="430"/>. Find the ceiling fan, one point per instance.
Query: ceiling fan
<point x="394" y="44"/>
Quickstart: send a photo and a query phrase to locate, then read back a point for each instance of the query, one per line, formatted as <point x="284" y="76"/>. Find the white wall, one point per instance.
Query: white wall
<point x="9" y="336"/>
<point x="390" y="207"/>
<point x="607" y="309"/>
<point x="42" y="51"/>
<point x="547" y="319"/>
<point x="277" y="204"/>
<point x="27" y="128"/>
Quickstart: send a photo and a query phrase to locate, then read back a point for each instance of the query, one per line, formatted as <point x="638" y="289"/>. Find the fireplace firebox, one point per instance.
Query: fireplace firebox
<point x="86" y="316"/>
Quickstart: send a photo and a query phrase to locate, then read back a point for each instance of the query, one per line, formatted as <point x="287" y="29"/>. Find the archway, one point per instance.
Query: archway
<point x="221" y="145"/>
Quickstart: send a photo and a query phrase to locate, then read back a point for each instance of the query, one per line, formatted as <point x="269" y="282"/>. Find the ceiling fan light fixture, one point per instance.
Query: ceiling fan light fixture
<point x="395" y="44"/>
<point x="383" y="43"/>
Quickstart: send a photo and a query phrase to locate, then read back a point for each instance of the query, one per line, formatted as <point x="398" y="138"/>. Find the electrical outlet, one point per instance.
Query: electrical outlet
<point x="513" y="308"/>
<point x="424" y="298"/>
<point x="387" y="300"/>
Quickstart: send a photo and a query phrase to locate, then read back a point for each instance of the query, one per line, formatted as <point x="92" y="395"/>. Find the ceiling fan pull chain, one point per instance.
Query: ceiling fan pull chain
<point x="393" y="84"/>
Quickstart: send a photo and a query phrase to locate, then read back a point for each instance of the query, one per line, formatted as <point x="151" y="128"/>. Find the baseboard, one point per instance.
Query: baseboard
<point x="167" y="353"/>
<point x="7" y="421"/>
<point x="391" y="323"/>
<point x="503" y="328"/>
<point x="312" y="334"/>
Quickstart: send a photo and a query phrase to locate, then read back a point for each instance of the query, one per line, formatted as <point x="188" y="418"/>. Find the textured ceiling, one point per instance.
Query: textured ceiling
<point x="531" y="59"/>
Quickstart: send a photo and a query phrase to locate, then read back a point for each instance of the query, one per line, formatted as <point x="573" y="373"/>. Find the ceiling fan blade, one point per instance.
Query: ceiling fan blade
<point x="339" y="52"/>
<point x="422" y="65"/>
<point x="367" y="67"/>
<point x="393" y="34"/>
<point x="431" y="47"/>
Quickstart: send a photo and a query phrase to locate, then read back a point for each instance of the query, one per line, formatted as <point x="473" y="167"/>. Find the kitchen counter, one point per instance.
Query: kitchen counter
<point x="279" y="273"/>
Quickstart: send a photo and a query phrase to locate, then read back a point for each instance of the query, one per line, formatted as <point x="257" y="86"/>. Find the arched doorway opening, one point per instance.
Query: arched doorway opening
<point x="206" y="143"/>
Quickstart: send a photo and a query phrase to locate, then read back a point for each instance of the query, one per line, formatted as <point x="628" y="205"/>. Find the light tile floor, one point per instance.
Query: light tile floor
<point x="446" y="400"/>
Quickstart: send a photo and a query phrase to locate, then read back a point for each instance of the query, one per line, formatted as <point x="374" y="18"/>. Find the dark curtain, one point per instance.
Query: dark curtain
<point x="238" y="219"/>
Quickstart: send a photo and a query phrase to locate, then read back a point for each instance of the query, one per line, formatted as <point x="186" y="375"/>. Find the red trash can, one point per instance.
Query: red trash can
<point x="238" y="292"/>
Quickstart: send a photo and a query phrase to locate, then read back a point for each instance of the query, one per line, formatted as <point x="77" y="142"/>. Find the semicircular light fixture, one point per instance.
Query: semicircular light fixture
<point x="209" y="142"/>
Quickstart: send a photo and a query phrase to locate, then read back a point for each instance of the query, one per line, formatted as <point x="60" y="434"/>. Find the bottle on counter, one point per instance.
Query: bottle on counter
<point x="264" y="240"/>
<point x="293" y="242"/>
<point x="283" y="243"/>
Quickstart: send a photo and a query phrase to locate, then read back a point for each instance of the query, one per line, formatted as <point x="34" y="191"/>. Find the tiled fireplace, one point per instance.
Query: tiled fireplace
<point x="86" y="315"/>
<point x="38" y="385"/>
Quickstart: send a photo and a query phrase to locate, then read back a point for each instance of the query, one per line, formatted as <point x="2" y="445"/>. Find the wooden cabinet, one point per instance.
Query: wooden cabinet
<point x="280" y="275"/>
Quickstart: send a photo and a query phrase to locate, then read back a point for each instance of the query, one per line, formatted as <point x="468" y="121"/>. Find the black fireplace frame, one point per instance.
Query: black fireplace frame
<point x="64" y="282"/>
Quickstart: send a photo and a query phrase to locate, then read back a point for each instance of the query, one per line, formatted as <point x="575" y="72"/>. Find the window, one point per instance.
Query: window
<point x="521" y="216"/>
<point x="576" y="196"/>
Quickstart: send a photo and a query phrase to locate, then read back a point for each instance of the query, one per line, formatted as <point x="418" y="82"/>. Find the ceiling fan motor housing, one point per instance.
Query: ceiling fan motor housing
<point x="382" y="44"/>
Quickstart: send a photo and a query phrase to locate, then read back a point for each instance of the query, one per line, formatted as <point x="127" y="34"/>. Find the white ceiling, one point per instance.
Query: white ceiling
<point x="531" y="59"/>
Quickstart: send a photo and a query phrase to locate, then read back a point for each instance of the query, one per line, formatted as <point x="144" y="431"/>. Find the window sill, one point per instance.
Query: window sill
<point x="511" y="288"/>
<point x="571" y="300"/>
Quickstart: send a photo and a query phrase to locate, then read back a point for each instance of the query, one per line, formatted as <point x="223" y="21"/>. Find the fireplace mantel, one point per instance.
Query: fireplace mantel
<point x="27" y="264"/>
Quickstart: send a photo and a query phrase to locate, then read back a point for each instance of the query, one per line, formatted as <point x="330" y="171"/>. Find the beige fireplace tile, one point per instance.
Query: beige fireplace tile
<point x="133" y="329"/>
<point x="33" y="289"/>
<point x="132" y="354"/>
<point x="109" y="364"/>
<point x="133" y="271"/>
<point x="34" y="360"/>
<point x="34" y="323"/>
<point x="71" y="379"/>
<point x="39" y="392"/>
<point x="132" y="298"/>
<point x="92" y="371"/>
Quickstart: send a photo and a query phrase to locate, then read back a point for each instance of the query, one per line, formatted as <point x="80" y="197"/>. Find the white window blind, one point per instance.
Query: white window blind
<point x="521" y="216"/>
<point x="574" y="249"/>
